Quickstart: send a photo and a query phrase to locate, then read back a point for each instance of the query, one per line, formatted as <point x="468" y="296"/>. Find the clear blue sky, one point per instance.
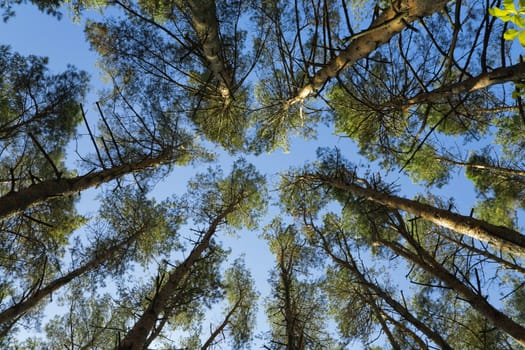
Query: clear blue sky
<point x="31" y="32"/>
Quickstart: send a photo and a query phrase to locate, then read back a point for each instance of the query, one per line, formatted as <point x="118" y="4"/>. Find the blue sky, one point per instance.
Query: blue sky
<point x="31" y="32"/>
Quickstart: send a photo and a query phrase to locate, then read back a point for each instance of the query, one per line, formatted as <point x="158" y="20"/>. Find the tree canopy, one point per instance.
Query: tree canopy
<point x="410" y="237"/>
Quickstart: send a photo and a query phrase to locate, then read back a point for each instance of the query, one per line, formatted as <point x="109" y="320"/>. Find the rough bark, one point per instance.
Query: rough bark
<point x="15" y="202"/>
<point x="206" y="25"/>
<point x="499" y="237"/>
<point x="497" y="76"/>
<point x="392" y="21"/>
<point x="17" y="310"/>
<point x="289" y="314"/>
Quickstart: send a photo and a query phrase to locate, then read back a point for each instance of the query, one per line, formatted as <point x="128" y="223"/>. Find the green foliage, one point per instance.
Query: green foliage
<point x="167" y="97"/>
<point x="501" y="193"/>
<point x="242" y="298"/>
<point x="497" y="210"/>
<point x="149" y="228"/>
<point x="349" y="307"/>
<point x="241" y="195"/>
<point x="295" y="308"/>
<point x="516" y="302"/>
<point x="426" y="168"/>
<point x="223" y="121"/>
<point x="76" y="328"/>
<point x="509" y="12"/>
<point x="176" y="66"/>
<point x="50" y="7"/>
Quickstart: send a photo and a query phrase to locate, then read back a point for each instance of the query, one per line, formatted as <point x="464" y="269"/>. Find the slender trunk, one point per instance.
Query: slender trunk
<point x="204" y="19"/>
<point x="351" y="266"/>
<point x="497" y="76"/>
<point x="221" y="327"/>
<point x="138" y="335"/>
<point x="380" y="315"/>
<point x="404" y="329"/>
<point x="500" y="237"/>
<point x="492" y="168"/>
<point x="289" y="315"/>
<point x="392" y="21"/>
<point x="15" y="202"/>
<point x="477" y="301"/>
<point x="19" y="309"/>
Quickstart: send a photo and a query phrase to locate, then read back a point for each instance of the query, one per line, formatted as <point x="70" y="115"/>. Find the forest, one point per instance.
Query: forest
<point x="406" y="233"/>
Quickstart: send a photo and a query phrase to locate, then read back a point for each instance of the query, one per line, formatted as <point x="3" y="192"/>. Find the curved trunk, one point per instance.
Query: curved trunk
<point x="477" y="301"/>
<point x="351" y="266"/>
<point x="495" y="169"/>
<point x="497" y="76"/>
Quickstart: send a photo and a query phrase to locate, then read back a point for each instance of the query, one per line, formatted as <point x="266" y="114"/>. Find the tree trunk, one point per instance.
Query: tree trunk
<point x="20" y="308"/>
<point x="392" y="21"/>
<point x="204" y="19"/>
<point x="497" y="76"/>
<point x="218" y="330"/>
<point x="507" y="172"/>
<point x="499" y="237"/>
<point x="351" y="266"/>
<point x="138" y="335"/>
<point x="35" y="194"/>
<point x="477" y="301"/>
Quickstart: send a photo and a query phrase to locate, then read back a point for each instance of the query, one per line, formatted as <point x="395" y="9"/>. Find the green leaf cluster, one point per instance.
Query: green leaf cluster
<point x="514" y="14"/>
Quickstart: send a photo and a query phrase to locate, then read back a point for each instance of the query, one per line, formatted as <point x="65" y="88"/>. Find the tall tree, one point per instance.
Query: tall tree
<point x="334" y="172"/>
<point x="295" y="307"/>
<point x="375" y="225"/>
<point x="236" y="200"/>
<point x="239" y="318"/>
<point x="200" y="65"/>
<point x="136" y="227"/>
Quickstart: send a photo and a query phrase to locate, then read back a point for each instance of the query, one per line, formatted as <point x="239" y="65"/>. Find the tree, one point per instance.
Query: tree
<point x="239" y="318"/>
<point x="375" y="225"/>
<point x="237" y="200"/>
<point x="406" y="80"/>
<point x="129" y="222"/>
<point x="207" y="85"/>
<point x="295" y="307"/>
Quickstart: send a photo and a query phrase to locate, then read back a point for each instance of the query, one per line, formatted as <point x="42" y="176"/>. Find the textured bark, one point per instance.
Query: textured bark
<point x="31" y="301"/>
<point x="499" y="237"/>
<point x="138" y="335"/>
<point x="392" y="21"/>
<point x="477" y="301"/>
<point x="497" y="76"/>
<point x="35" y="194"/>
<point x="204" y="19"/>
